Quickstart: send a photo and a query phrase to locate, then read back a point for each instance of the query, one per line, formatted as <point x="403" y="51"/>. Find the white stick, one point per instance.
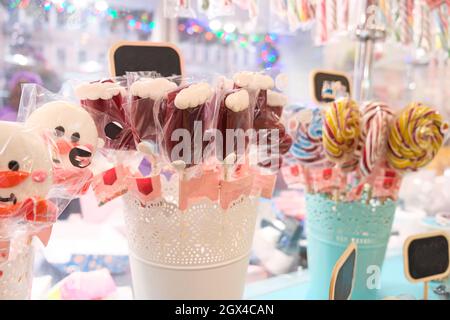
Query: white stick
<point x="148" y="150"/>
<point x="228" y="164"/>
<point x="180" y="166"/>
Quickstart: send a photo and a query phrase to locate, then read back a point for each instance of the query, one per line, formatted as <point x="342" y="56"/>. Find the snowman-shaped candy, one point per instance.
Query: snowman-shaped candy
<point x="25" y="176"/>
<point x="71" y="128"/>
<point x="72" y="133"/>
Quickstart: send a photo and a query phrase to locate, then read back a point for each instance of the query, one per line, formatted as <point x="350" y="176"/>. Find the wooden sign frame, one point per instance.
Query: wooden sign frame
<point x="117" y="45"/>
<point x="312" y="81"/>
<point x="338" y="266"/>
<point x="408" y="242"/>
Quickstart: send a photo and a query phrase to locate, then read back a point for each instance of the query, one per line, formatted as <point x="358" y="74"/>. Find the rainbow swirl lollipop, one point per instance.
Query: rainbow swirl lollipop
<point x="307" y="147"/>
<point x="375" y="122"/>
<point x="341" y="131"/>
<point x="415" y="137"/>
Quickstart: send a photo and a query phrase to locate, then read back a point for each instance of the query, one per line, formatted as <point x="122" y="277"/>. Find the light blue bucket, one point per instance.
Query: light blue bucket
<point x="331" y="226"/>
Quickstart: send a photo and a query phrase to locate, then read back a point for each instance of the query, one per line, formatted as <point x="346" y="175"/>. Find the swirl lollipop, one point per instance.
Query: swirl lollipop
<point x="415" y="137"/>
<point x="307" y="146"/>
<point x="374" y="130"/>
<point x="341" y="131"/>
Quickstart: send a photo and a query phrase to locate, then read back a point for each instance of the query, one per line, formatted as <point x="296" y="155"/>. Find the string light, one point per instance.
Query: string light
<point x="134" y="22"/>
<point x="214" y="31"/>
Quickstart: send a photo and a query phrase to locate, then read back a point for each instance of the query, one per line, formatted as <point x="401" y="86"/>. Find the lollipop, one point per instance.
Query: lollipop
<point x="104" y="100"/>
<point x="375" y="122"/>
<point x="415" y="137"/>
<point x="268" y="123"/>
<point x="146" y="93"/>
<point x="25" y="176"/>
<point x="234" y="114"/>
<point x="187" y="109"/>
<point x="70" y="128"/>
<point x="308" y="146"/>
<point x="341" y="131"/>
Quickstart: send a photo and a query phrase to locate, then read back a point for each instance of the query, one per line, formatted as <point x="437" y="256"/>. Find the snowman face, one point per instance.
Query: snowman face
<point x="70" y="129"/>
<point x="25" y="165"/>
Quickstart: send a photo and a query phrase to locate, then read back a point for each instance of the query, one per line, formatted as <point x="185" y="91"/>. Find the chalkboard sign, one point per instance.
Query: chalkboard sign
<point x="343" y="275"/>
<point x="163" y="58"/>
<point x="427" y="257"/>
<point x="328" y="86"/>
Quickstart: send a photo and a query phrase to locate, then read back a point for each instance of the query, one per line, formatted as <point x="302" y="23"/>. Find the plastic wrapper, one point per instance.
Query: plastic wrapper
<point x="187" y="113"/>
<point x="105" y="100"/>
<point x="44" y="162"/>
<point x="234" y="120"/>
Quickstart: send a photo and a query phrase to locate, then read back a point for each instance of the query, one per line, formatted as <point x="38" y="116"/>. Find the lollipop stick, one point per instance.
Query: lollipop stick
<point x="180" y="166"/>
<point x="228" y="164"/>
<point x="148" y="150"/>
<point x="425" y="290"/>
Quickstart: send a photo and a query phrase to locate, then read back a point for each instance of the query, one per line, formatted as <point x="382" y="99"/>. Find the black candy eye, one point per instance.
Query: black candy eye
<point x="59" y="131"/>
<point x="75" y="137"/>
<point x="13" y="165"/>
<point x="113" y="130"/>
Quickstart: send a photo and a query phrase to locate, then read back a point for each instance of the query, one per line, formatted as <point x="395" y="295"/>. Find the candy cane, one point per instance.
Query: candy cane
<point x="422" y="26"/>
<point x="321" y="22"/>
<point x="342" y="14"/>
<point x="405" y="36"/>
<point x="331" y="15"/>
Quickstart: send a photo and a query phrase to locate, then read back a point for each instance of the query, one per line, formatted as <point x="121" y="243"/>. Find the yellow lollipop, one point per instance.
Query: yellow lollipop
<point x="415" y="137"/>
<point x="341" y="130"/>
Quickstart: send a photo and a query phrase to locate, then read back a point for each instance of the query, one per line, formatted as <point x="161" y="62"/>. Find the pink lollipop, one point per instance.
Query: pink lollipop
<point x="374" y="129"/>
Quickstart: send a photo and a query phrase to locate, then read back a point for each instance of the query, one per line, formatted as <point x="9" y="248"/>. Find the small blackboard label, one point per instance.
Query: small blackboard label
<point x="164" y="58"/>
<point x="343" y="276"/>
<point x="427" y="257"/>
<point x="328" y="86"/>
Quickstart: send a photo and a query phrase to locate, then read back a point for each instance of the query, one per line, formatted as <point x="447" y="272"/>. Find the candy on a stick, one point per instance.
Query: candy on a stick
<point x="375" y="121"/>
<point x="415" y="137"/>
<point x="307" y="147"/>
<point x="72" y="131"/>
<point x="341" y="131"/>
<point x="270" y="131"/>
<point x="146" y="94"/>
<point x="25" y="176"/>
<point x="104" y="100"/>
<point x="186" y="114"/>
<point x="234" y="114"/>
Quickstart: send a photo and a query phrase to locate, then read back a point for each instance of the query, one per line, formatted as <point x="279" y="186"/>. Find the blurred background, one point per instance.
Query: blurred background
<point x="51" y="41"/>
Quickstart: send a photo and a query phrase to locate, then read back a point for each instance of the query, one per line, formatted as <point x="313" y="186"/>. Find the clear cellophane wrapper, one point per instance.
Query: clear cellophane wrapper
<point x="154" y="119"/>
<point x="384" y="183"/>
<point x="44" y="162"/>
<point x="16" y="273"/>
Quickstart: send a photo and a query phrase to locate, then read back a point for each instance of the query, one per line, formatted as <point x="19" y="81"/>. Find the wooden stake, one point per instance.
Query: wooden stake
<point x="425" y="290"/>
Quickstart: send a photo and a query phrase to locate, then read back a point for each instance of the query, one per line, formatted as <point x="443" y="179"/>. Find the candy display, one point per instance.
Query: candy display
<point x="224" y="149"/>
<point x="366" y="153"/>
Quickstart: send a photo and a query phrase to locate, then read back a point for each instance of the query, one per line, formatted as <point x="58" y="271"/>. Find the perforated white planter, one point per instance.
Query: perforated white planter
<point x="200" y="253"/>
<point x="16" y="274"/>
